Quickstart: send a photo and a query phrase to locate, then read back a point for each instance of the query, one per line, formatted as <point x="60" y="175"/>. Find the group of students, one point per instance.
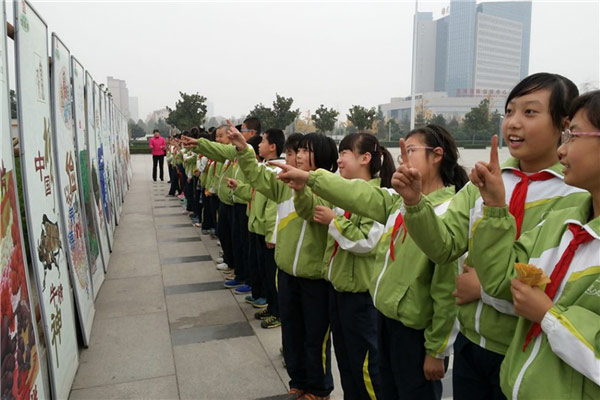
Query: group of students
<point x="404" y="266"/>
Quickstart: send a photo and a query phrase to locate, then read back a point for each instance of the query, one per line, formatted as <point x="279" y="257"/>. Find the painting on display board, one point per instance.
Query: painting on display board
<point x="102" y="165"/>
<point x="126" y="159"/>
<point x="94" y="174"/>
<point x="113" y="157"/>
<point x="70" y="205"/>
<point x="20" y="356"/>
<point x="42" y="206"/>
<point x="116" y="157"/>
<point x="95" y="242"/>
<point x="108" y="156"/>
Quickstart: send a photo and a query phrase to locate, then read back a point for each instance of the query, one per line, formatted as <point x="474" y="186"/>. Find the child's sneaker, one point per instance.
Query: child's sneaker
<point x="222" y="266"/>
<point x="219" y="260"/>
<point x="271" y="322"/>
<point x="294" y="393"/>
<point x="233" y="284"/>
<point x="260" y="303"/>
<point x="262" y="314"/>
<point x="310" y="396"/>
<point x="250" y="300"/>
<point x="243" y="289"/>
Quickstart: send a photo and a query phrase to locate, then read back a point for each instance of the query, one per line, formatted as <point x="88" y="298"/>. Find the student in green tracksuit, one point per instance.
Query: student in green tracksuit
<point x="349" y="257"/>
<point x="536" y="112"/>
<point x="262" y="219"/>
<point x="303" y="295"/>
<point x="412" y="294"/>
<point x="555" y="352"/>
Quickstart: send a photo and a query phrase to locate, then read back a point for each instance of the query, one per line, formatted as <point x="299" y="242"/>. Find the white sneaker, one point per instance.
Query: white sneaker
<point x="222" y="266"/>
<point x="219" y="260"/>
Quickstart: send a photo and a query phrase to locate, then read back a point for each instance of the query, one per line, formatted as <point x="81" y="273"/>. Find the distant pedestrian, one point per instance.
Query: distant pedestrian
<point x="158" y="146"/>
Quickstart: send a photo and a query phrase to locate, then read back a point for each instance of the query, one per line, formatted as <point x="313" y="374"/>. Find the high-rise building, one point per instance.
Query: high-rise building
<point x="426" y="55"/>
<point x="120" y="94"/>
<point x="477" y="49"/>
<point x="134" y="110"/>
<point x="519" y="11"/>
<point x="461" y="46"/>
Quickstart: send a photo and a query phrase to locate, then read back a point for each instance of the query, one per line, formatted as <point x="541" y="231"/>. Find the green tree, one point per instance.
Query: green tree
<point x="163" y="127"/>
<point x="325" y="118"/>
<point x="280" y="116"/>
<point x="282" y="110"/>
<point x="392" y="130"/>
<point x="264" y="114"/>
<point x="480" y="122"/>
<point x="136" y="130"/>
<point x="438" y="119"/>
<point x="189" y="111"/>
<point x="361" y="117"/>
<point x="420" y="120"/>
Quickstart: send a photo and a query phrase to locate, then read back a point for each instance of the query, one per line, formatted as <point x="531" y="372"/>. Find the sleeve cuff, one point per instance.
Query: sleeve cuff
<point x="312" y="178"/>
<point x="495" y="212"/>
<point x="417" y="207"/>
<point x="549" y="321"/>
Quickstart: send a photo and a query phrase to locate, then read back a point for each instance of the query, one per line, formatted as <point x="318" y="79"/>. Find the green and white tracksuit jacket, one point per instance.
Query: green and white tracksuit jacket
<point x="563" y="362"/>
<point x="489" y="322"/>
<point x="262" y="212"/>
<point x="214" y="171"/>
<point x="223" y="154"/>
<point x="351" y="244"/>
<point x="408" y="288"/>
<point x="300" y="243"/>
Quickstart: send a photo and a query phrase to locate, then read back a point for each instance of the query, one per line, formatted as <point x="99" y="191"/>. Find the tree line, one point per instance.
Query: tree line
<point x="480" y="123"/>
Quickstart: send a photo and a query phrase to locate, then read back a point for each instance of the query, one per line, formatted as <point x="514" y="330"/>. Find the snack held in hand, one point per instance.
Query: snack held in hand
<point x="531" y="275"/>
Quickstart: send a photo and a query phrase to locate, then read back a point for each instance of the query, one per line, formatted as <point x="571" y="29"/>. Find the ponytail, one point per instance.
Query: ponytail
<point x="382" y="162"/>
<point x="387" y="168"/>
<point x="452" y="173"/>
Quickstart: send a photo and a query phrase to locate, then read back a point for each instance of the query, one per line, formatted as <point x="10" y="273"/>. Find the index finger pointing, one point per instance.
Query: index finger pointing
<point x="284" y="167"/>
<point x="404" y="153"/>
<point x="494" y="152"/>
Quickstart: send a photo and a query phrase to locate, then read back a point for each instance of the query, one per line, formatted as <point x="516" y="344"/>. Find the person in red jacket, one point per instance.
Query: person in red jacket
<point x="158" y="146"/>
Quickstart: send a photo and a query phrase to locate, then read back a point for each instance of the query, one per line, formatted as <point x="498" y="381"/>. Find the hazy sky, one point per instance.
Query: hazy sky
<point x="240" y="53"/>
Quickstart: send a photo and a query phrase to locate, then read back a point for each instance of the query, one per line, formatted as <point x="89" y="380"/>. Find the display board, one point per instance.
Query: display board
<point x="20" y="356"/>
<point x="103" y="167"/>
<point x="93" y="148"/>
<point x="40" y="187"/>
<point x="89" y="211"/>
<point x="70" y="206"/>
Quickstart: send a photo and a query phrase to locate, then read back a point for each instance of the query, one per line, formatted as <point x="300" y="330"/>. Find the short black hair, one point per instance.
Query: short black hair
<point x="254" y="142"/>
<point x="293" y="141"/>
<point x="253" y="123"/>
<point x="275" y="136"/>
<point x="590" y="104"/>
<point x="156" y="130"/>
<point x="324" y="149"/>
<point x="563" y="91"/>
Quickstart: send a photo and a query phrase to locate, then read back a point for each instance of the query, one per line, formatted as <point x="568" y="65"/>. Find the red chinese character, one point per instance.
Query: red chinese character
<point x="47" y="185"/>
<point x="39" y="163"/>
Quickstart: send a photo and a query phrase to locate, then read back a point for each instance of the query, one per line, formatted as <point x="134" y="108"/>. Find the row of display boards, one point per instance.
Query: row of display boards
<point x="73" y="150"/>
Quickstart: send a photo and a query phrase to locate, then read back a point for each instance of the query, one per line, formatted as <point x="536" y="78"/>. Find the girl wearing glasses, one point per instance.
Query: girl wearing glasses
<point x="416" y="310"/>
<point x="554" y="352"/>
<point x="536" y="113"/>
